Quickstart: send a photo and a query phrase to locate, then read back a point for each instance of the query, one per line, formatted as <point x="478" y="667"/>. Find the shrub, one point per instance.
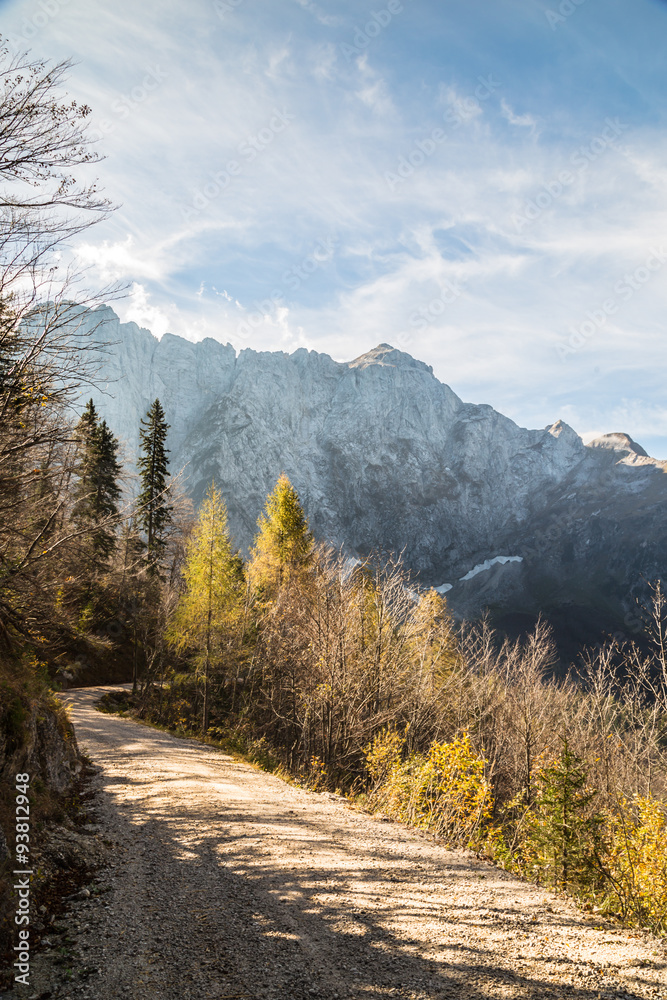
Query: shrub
<point x="444" y="791"/>
<point x="383" y="754"/>
<point x="636" y="863"/>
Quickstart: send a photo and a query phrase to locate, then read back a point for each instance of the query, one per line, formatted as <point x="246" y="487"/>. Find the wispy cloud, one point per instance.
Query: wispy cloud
<point x="522" y="121"/>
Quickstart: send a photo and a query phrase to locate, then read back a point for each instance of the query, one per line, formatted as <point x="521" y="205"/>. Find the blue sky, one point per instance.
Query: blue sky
<point x="483" y="185"/>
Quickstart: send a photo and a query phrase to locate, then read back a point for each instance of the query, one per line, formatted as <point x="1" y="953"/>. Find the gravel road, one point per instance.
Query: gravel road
<point x="226" y="882"/>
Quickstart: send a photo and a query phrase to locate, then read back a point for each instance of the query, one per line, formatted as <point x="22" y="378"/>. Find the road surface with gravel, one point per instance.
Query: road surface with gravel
<point x="227" y="882"/>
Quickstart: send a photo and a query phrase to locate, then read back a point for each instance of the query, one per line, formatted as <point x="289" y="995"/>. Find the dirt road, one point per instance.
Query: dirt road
<point x="228" y="882"/>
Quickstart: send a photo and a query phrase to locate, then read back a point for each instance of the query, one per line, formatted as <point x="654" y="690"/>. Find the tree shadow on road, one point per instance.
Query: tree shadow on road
<point x="252" y="924"/>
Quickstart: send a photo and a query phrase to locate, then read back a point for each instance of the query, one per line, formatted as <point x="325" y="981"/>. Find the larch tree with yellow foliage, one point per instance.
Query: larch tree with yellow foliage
<point x="284" y="543"/>
<point x="208" y="611"/>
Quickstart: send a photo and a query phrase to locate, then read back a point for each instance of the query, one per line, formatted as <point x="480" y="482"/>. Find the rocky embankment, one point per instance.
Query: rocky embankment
<point x="37" y="739"/>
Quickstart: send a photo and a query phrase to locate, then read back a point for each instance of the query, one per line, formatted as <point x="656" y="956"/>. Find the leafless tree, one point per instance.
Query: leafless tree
<point x="46" y="348"/>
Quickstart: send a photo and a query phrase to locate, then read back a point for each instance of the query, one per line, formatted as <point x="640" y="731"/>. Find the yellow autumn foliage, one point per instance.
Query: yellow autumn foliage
<point x="444" y="791"/>
<point x="636" y="863"/>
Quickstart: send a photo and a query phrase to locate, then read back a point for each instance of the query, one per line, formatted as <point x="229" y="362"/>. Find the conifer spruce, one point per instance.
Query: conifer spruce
<point x="97" y="490"/>
<point x="155" y="512"/>
<point x="563" y="828"/>
<point x="84" y="434"/>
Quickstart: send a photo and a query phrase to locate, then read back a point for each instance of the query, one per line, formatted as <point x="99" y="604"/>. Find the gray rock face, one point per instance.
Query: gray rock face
<point x="135" y="368"/>
<point x="385" y="456"/>
<point x="619" y="442"/>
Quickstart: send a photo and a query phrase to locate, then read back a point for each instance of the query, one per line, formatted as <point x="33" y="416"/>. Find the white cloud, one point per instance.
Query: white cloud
<point x="327" y="19"/>
<point x="324" y="59"/>
<point x="117" y="261"/>
<point x="465" y="107"/>
<point x="279" y="63"/>
<point x="373" y="92"/>
<point x="588" y="436"/>
<point x="375" y="97"/>
<point x="523" y="121"/>
<point x="138" y="309"/>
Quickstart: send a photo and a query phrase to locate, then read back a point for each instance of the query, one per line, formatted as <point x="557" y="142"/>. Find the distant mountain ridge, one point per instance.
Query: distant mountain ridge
<point x="386" y="457"/>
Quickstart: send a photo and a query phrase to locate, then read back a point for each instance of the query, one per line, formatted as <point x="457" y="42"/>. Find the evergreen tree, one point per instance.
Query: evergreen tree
<point x="155" y="511"/>
<point x="205" y="617"/>
<point x="97" y="491"/>
<point x="132" y="552"/>
<point x="563" y="828"/>
<point x="284" y="543"/>
<point x="11" y="394"/>
<point x="84" y="468"/>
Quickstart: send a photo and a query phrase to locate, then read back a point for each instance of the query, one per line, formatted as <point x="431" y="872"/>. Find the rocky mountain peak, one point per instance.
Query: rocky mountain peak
<point x="387" y="356"/>
<point x="562" y="430"/>
<point x="618" y="441"/>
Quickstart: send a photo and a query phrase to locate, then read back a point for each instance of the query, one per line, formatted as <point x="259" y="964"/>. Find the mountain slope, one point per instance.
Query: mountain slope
<point x="387" y="457"/>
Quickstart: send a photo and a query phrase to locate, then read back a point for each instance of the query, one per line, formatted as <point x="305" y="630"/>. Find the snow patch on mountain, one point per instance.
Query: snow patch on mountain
<point x="488" y="563"/>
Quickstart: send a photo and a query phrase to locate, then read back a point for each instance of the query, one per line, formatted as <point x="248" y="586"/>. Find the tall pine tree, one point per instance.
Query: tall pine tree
<point x="11" y="392"/>
<point x="97" y="490"/>
<point x="155" y="512"/>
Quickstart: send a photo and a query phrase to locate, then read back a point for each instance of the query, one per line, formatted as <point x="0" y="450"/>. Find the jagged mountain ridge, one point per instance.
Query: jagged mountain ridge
<point x="387" y="457"/>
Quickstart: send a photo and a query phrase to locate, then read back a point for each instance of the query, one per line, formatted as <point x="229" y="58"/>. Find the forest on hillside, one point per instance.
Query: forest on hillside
<point x="347" y="675"/>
